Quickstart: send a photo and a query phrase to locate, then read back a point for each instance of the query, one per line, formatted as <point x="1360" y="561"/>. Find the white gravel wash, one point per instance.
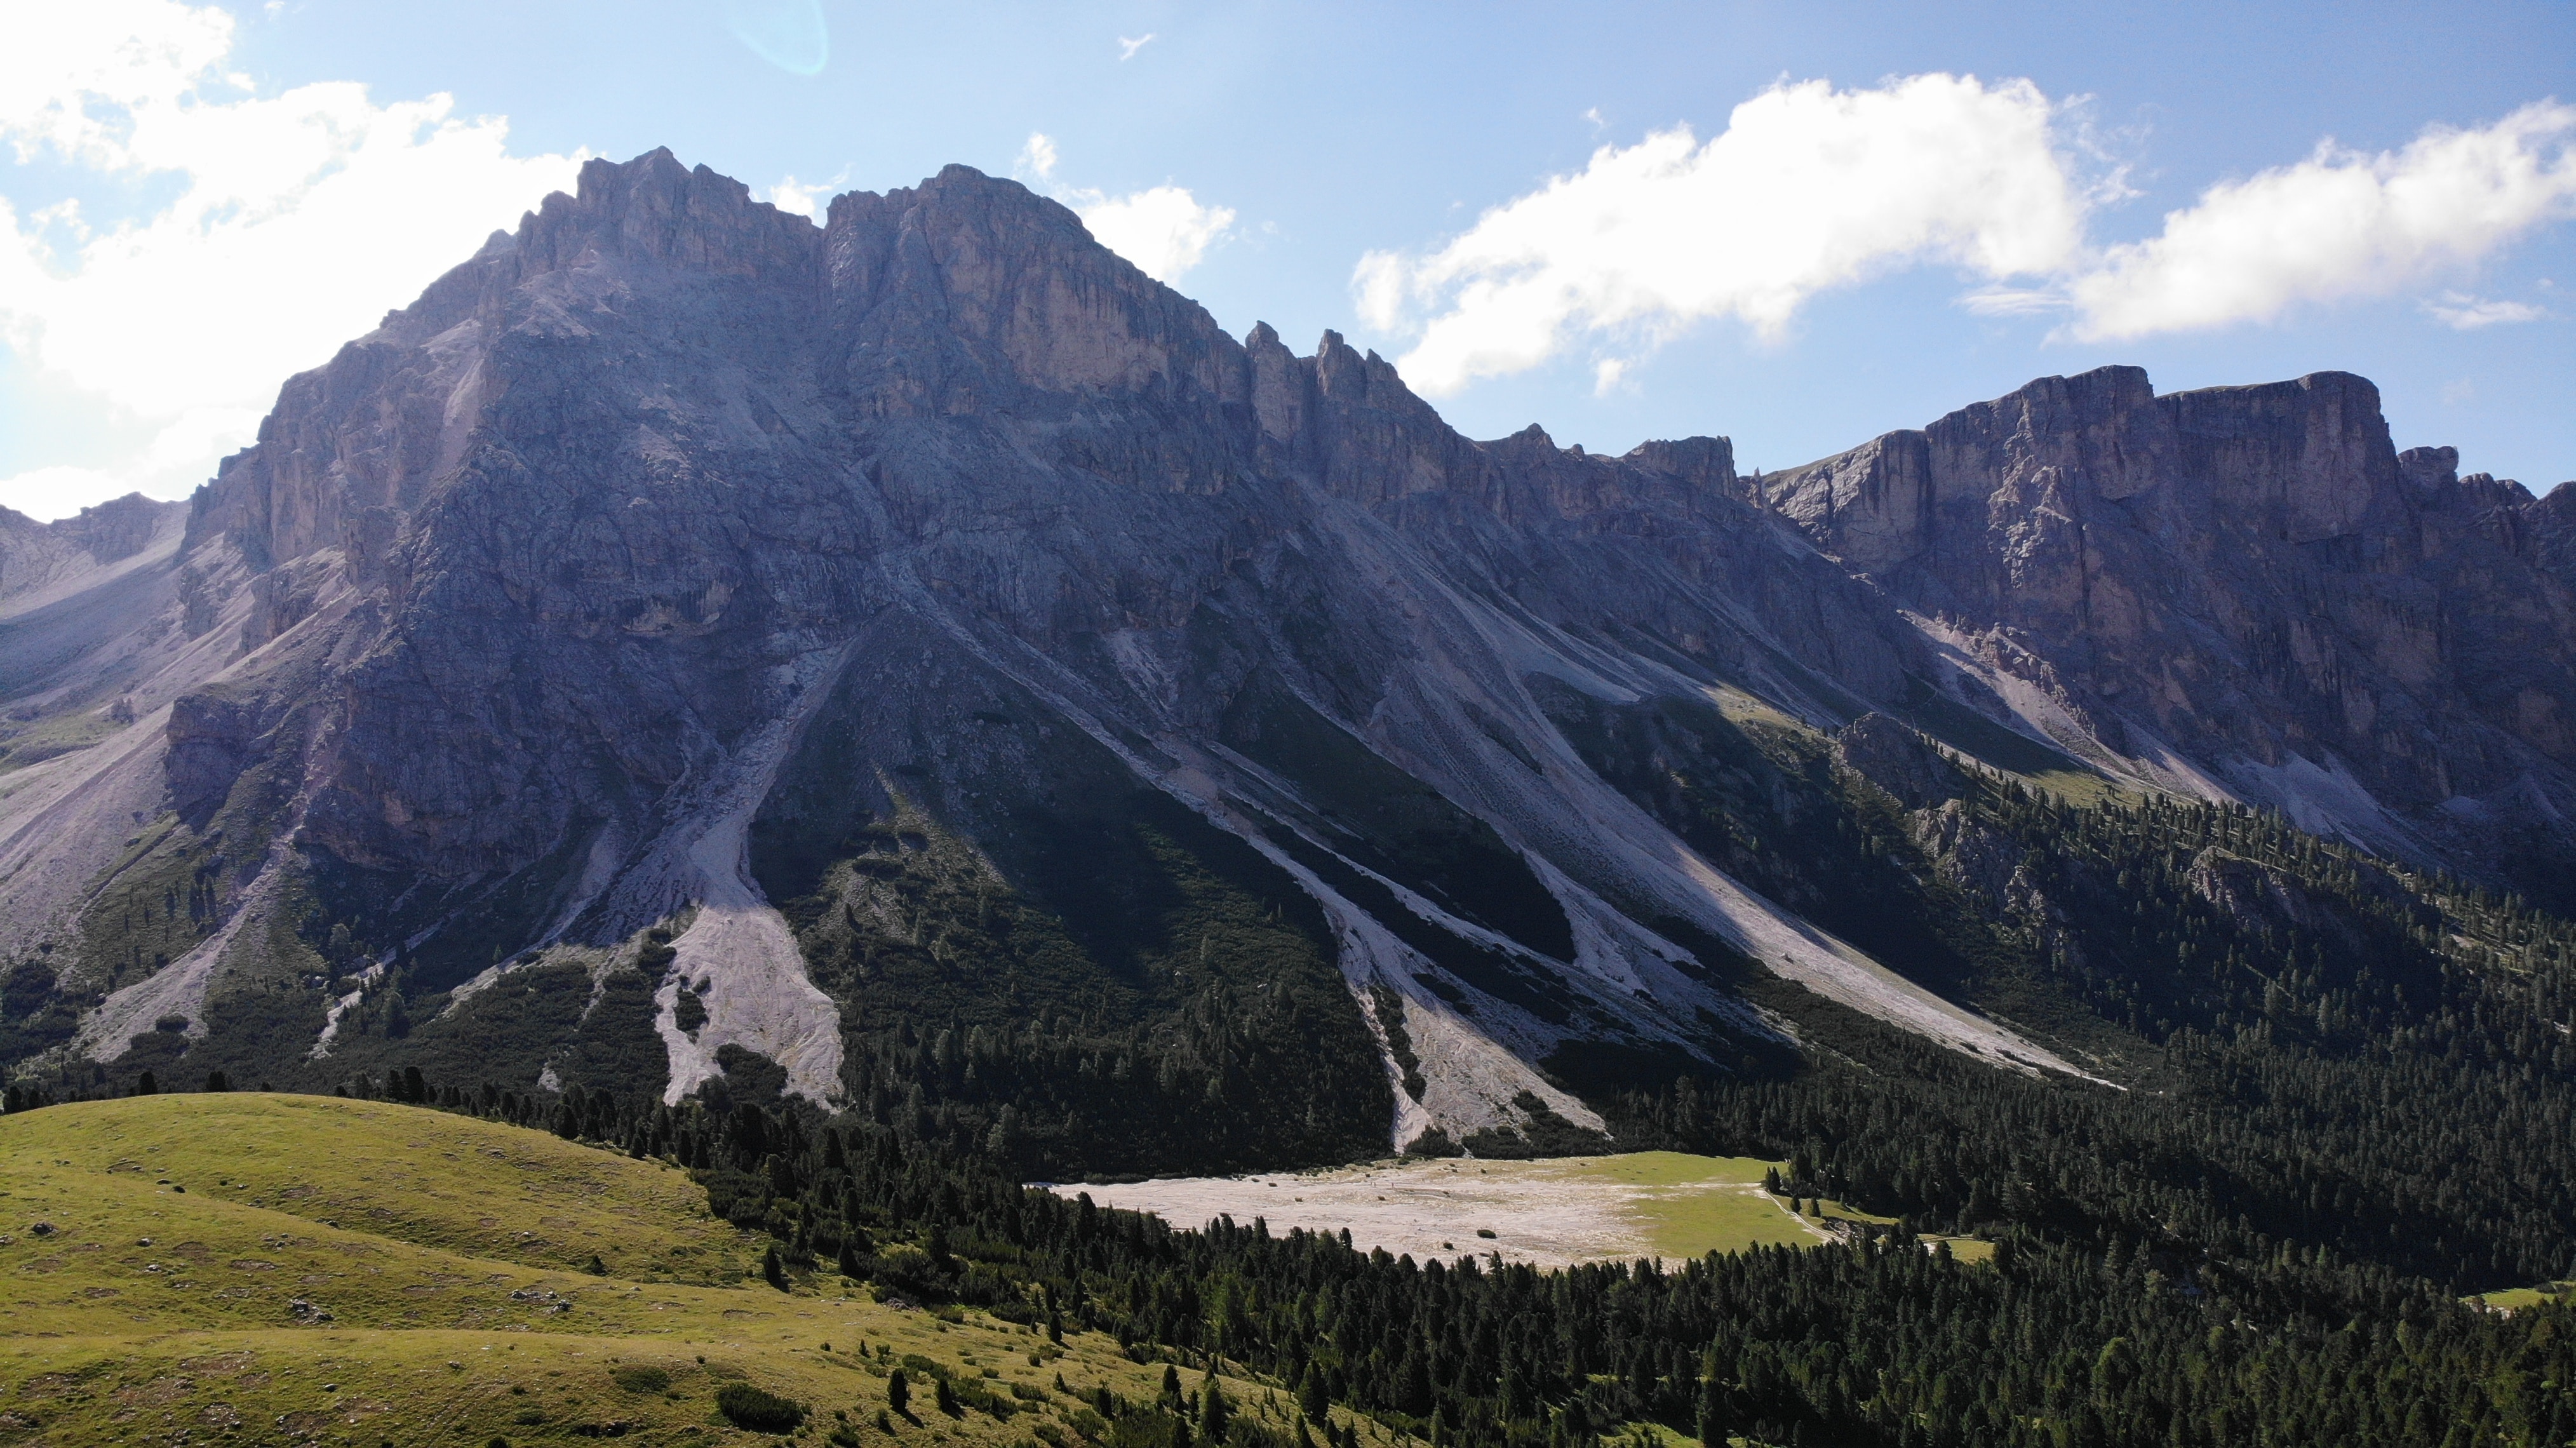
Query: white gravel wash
<point x="1550" y="1213"/>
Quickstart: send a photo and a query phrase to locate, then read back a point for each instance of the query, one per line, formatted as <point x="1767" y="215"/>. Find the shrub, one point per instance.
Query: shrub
<point x="640" y="1379"/>
<point x="745" y="1406"/>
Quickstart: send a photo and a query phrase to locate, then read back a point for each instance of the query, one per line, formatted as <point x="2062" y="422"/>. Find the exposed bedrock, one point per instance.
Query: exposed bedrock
<point x="2252" y="575"/>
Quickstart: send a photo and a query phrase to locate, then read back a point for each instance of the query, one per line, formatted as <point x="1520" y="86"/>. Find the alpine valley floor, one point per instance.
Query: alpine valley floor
<point x="1554" y="1213"/>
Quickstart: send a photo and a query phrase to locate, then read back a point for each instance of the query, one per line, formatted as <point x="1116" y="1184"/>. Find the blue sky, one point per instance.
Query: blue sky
<point x="1853" y="236"/>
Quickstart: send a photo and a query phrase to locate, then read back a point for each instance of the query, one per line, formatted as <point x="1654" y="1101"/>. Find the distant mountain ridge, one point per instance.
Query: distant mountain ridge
<point x="920" y="664"/>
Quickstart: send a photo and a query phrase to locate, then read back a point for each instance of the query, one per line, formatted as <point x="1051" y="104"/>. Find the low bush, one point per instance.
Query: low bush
<point x="745" y="1406"/>
<point x="640" y="1379"/>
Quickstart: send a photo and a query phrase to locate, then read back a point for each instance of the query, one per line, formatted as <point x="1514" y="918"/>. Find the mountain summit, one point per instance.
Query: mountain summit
<point x="922" y="665"/>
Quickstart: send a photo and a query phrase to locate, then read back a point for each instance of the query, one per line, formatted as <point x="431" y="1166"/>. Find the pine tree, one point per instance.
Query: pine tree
<point x="1312" y="1396"/>
<point x="899" y="1393"/>
<point x="1213" y="1410"/>
<point x="1712" y="1418"/>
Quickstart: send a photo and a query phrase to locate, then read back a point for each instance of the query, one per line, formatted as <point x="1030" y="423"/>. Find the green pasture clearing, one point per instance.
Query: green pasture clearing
<point x="2085" y="787"/>
<point x="1688" y="1206"/>
<point x="2511" y="1299"/>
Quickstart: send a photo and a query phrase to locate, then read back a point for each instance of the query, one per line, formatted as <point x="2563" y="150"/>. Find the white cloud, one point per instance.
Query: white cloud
<point x="2464" y="313"/>
<point x="2341" y="224"/>
<point x="807" y="201"/>
<point x="59" y="492"/>
<point x="1810" y="189"/>
<point x="1807" y="189"/>
<point x="1037" y="158"/>
<point x="1165" y="231"/>
<point x="297" y="220"/>
<point x="1127" y="48"/>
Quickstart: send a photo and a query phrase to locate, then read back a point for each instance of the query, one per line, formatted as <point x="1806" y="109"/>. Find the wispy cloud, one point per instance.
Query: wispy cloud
<point x="292" y="222"/>
<point x="2464" y="313"/>
<point x="1127" y="48"/>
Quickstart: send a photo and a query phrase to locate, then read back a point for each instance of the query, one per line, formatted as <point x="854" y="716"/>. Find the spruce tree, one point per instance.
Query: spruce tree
<point x="1213" y="1410"/>
<point x="899" y="1393"/>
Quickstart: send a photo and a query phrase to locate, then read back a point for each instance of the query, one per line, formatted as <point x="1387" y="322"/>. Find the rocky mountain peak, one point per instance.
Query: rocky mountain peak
<point x="756" y="617"/>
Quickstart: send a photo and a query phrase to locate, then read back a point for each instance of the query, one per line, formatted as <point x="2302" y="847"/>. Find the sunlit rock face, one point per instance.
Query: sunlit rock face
<point x="2252" y="576"/>
<point x="675" y="567"/>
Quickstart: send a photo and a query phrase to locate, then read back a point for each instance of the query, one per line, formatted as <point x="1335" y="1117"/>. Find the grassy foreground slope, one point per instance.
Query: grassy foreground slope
<point x="256" y="1268"/>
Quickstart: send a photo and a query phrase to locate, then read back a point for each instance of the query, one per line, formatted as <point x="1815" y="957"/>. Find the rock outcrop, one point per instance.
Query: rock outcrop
<point x="2252" y="577"/>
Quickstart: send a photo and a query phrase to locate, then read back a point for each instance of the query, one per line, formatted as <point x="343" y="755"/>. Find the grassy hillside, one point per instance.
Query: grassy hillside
<point x="258" y="1267"/>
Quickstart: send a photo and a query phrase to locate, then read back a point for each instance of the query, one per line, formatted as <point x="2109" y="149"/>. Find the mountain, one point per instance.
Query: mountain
<point x="920" y="665"/>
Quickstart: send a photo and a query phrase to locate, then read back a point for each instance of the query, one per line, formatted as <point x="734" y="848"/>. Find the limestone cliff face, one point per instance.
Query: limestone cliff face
<point x="2251" y="575"/>
<point x="674" y="554"/>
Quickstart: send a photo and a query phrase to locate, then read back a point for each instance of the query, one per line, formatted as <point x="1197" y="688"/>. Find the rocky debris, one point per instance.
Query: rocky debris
<point x="303" y="1310"/>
